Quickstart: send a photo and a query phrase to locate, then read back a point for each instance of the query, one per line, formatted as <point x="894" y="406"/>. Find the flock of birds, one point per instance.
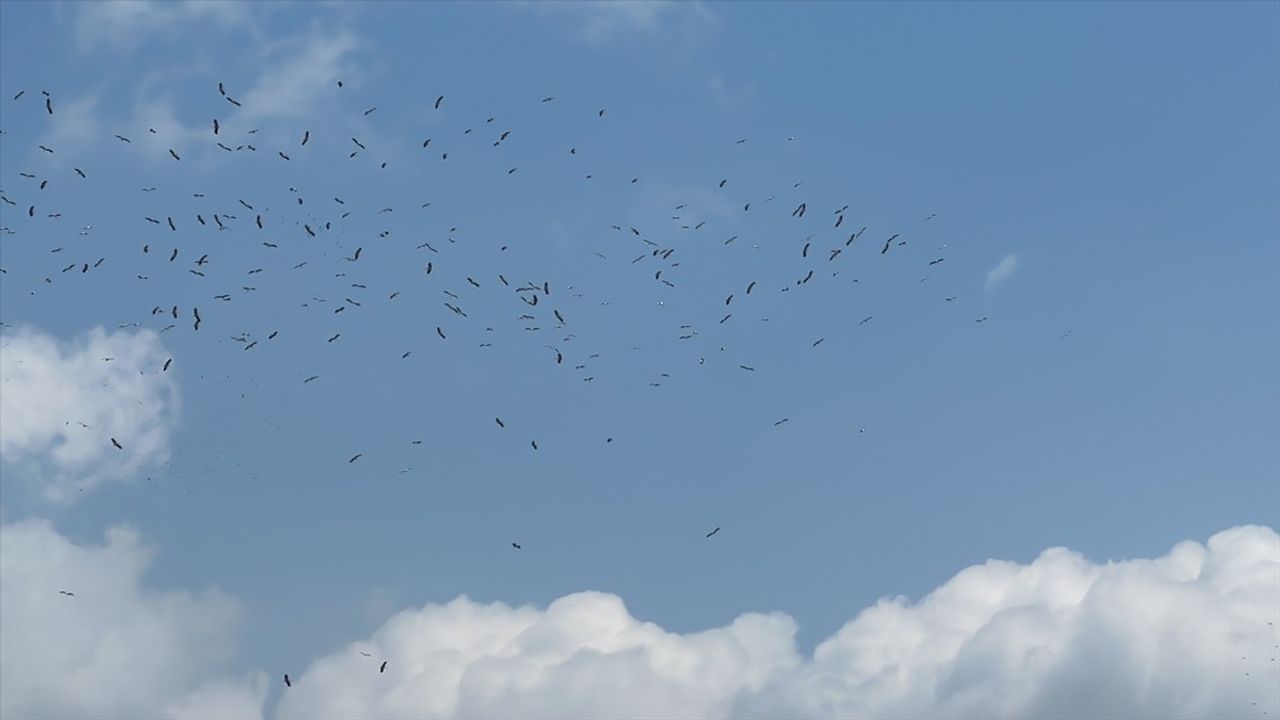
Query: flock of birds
<point x="543" y="306"/>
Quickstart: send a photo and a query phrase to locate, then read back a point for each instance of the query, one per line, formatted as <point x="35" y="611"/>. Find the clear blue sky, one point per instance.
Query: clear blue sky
<point x="1128" y="156"/>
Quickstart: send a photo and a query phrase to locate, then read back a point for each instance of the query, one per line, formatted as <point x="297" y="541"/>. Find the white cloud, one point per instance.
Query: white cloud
<point x="1059" y="637"/>
<point x="124" y="24"/>
<point x="116" y="649"/>
<point x="1002" y="271"/>
<point x="50" y="391"/>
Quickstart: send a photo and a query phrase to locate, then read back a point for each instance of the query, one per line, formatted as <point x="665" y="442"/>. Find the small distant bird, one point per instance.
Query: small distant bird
<point x="515" y="545"/>
<point x="68" y="593"/>
<point x="500" y="423"/>
<point x="713" y="532"/>
<point x="117" y="444"/>
<point x="383" y="668"/>
<point x="286" y="680"/>
<point x="438" y="101"/>
<point x="355" y="457"/>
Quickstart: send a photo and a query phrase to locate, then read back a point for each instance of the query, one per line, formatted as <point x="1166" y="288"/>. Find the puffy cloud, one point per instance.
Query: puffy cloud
<point x="1001" y="272"/>
<point x="1191" y="634"/>
<point x="584" y="656"/>
<point x="1059" y="637"/>
<point x="61" y="404"/>
<point x="115" y="649"/>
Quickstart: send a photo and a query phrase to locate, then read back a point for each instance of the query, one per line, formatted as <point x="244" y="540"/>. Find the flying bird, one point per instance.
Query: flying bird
<point x="117" y="444"/>
<point x="713" y="532"/>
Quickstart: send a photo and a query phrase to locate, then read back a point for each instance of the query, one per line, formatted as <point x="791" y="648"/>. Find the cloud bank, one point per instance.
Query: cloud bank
<point x="1192" y="634"/>
<point x="1059" y="637"/>
<point x="61" y="404"/>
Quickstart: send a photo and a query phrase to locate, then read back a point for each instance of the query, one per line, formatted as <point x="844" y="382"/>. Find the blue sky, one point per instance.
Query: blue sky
<point x="1122" y="394"/>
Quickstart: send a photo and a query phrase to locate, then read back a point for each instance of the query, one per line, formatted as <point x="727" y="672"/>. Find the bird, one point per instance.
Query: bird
<point x="713" y="532"/>
<point x="167" y="363"/>
<point x="355" y="457"/>
<point x="68" y="593"/>
<point x="516" y="546"/>
<point x="174" y="154"/>
<point x="286" y="680"/>
<point x="117" y="444"/>
<point x="306" y="134"/>
<point x="438" y="101"/>
<point x="383" y="668"/>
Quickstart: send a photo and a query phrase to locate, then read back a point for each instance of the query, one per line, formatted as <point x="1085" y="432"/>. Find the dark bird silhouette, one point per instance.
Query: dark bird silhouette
<point x="48" y="105"/>
<point x="383" y="668"/>
<point x="216" y="126"/>
<point x="887" y="243"/>
<point x="355" y="457"/>
<point x="117" y="444"/>
<point x="68" y="593"/>
<point x="286" y="680"/>
<point x="515" y="545"/>
<point x="713" y="532"/>
<point x="174" y="154"/>
<point x="440" y="332"/>
<point x="306" y="135"/>
<point x="438" y="101"/>
<point x="167" y="363"/>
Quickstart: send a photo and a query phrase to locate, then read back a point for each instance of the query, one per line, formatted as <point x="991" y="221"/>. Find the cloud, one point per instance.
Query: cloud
<point x="291" y="84"/>
<point x="50" y="391"/>
<point x="1192" y="634"/>
<point x="1002" y="271"/>
<point x="124" y="24"/>
<point x="116" y="649"/>
<point x="1059" y="637"/>
<point x="602" y="22"/>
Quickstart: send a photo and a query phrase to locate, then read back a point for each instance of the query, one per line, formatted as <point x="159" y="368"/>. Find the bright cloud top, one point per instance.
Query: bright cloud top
<point x="1192" y="634"/>
<point x="115" y="649"/>
<point x="1059" y="637"/>
<point x="1001" y="272"/>
<point x="61" y="404"/>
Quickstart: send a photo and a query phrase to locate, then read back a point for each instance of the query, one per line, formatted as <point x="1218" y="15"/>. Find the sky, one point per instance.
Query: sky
<point x="1012" y="452"/>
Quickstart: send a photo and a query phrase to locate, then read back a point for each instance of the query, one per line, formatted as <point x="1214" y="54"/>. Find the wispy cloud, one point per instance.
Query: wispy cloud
<point x="1001" y="272"/>
<point x="607" y="21"/>
<point x="122" y="25"/>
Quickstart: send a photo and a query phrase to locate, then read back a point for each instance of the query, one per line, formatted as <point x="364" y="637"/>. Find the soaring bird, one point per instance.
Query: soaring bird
<point x="355" y="457"/>
<point x="117" y="444"/>
<point x="286" y="680"/>
<point x="713" y="532"/>
<point x="515" y="545"/>
<point x="383" y="668"/>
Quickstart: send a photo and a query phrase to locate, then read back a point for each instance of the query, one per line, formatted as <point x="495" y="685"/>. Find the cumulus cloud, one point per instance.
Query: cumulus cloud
<point x="116" y="649"/>
<point x="1192" y="634"/>
<point x="1059" y="637"/>
<point x="1002" y="271"/>
<point x="62" y="403"/>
